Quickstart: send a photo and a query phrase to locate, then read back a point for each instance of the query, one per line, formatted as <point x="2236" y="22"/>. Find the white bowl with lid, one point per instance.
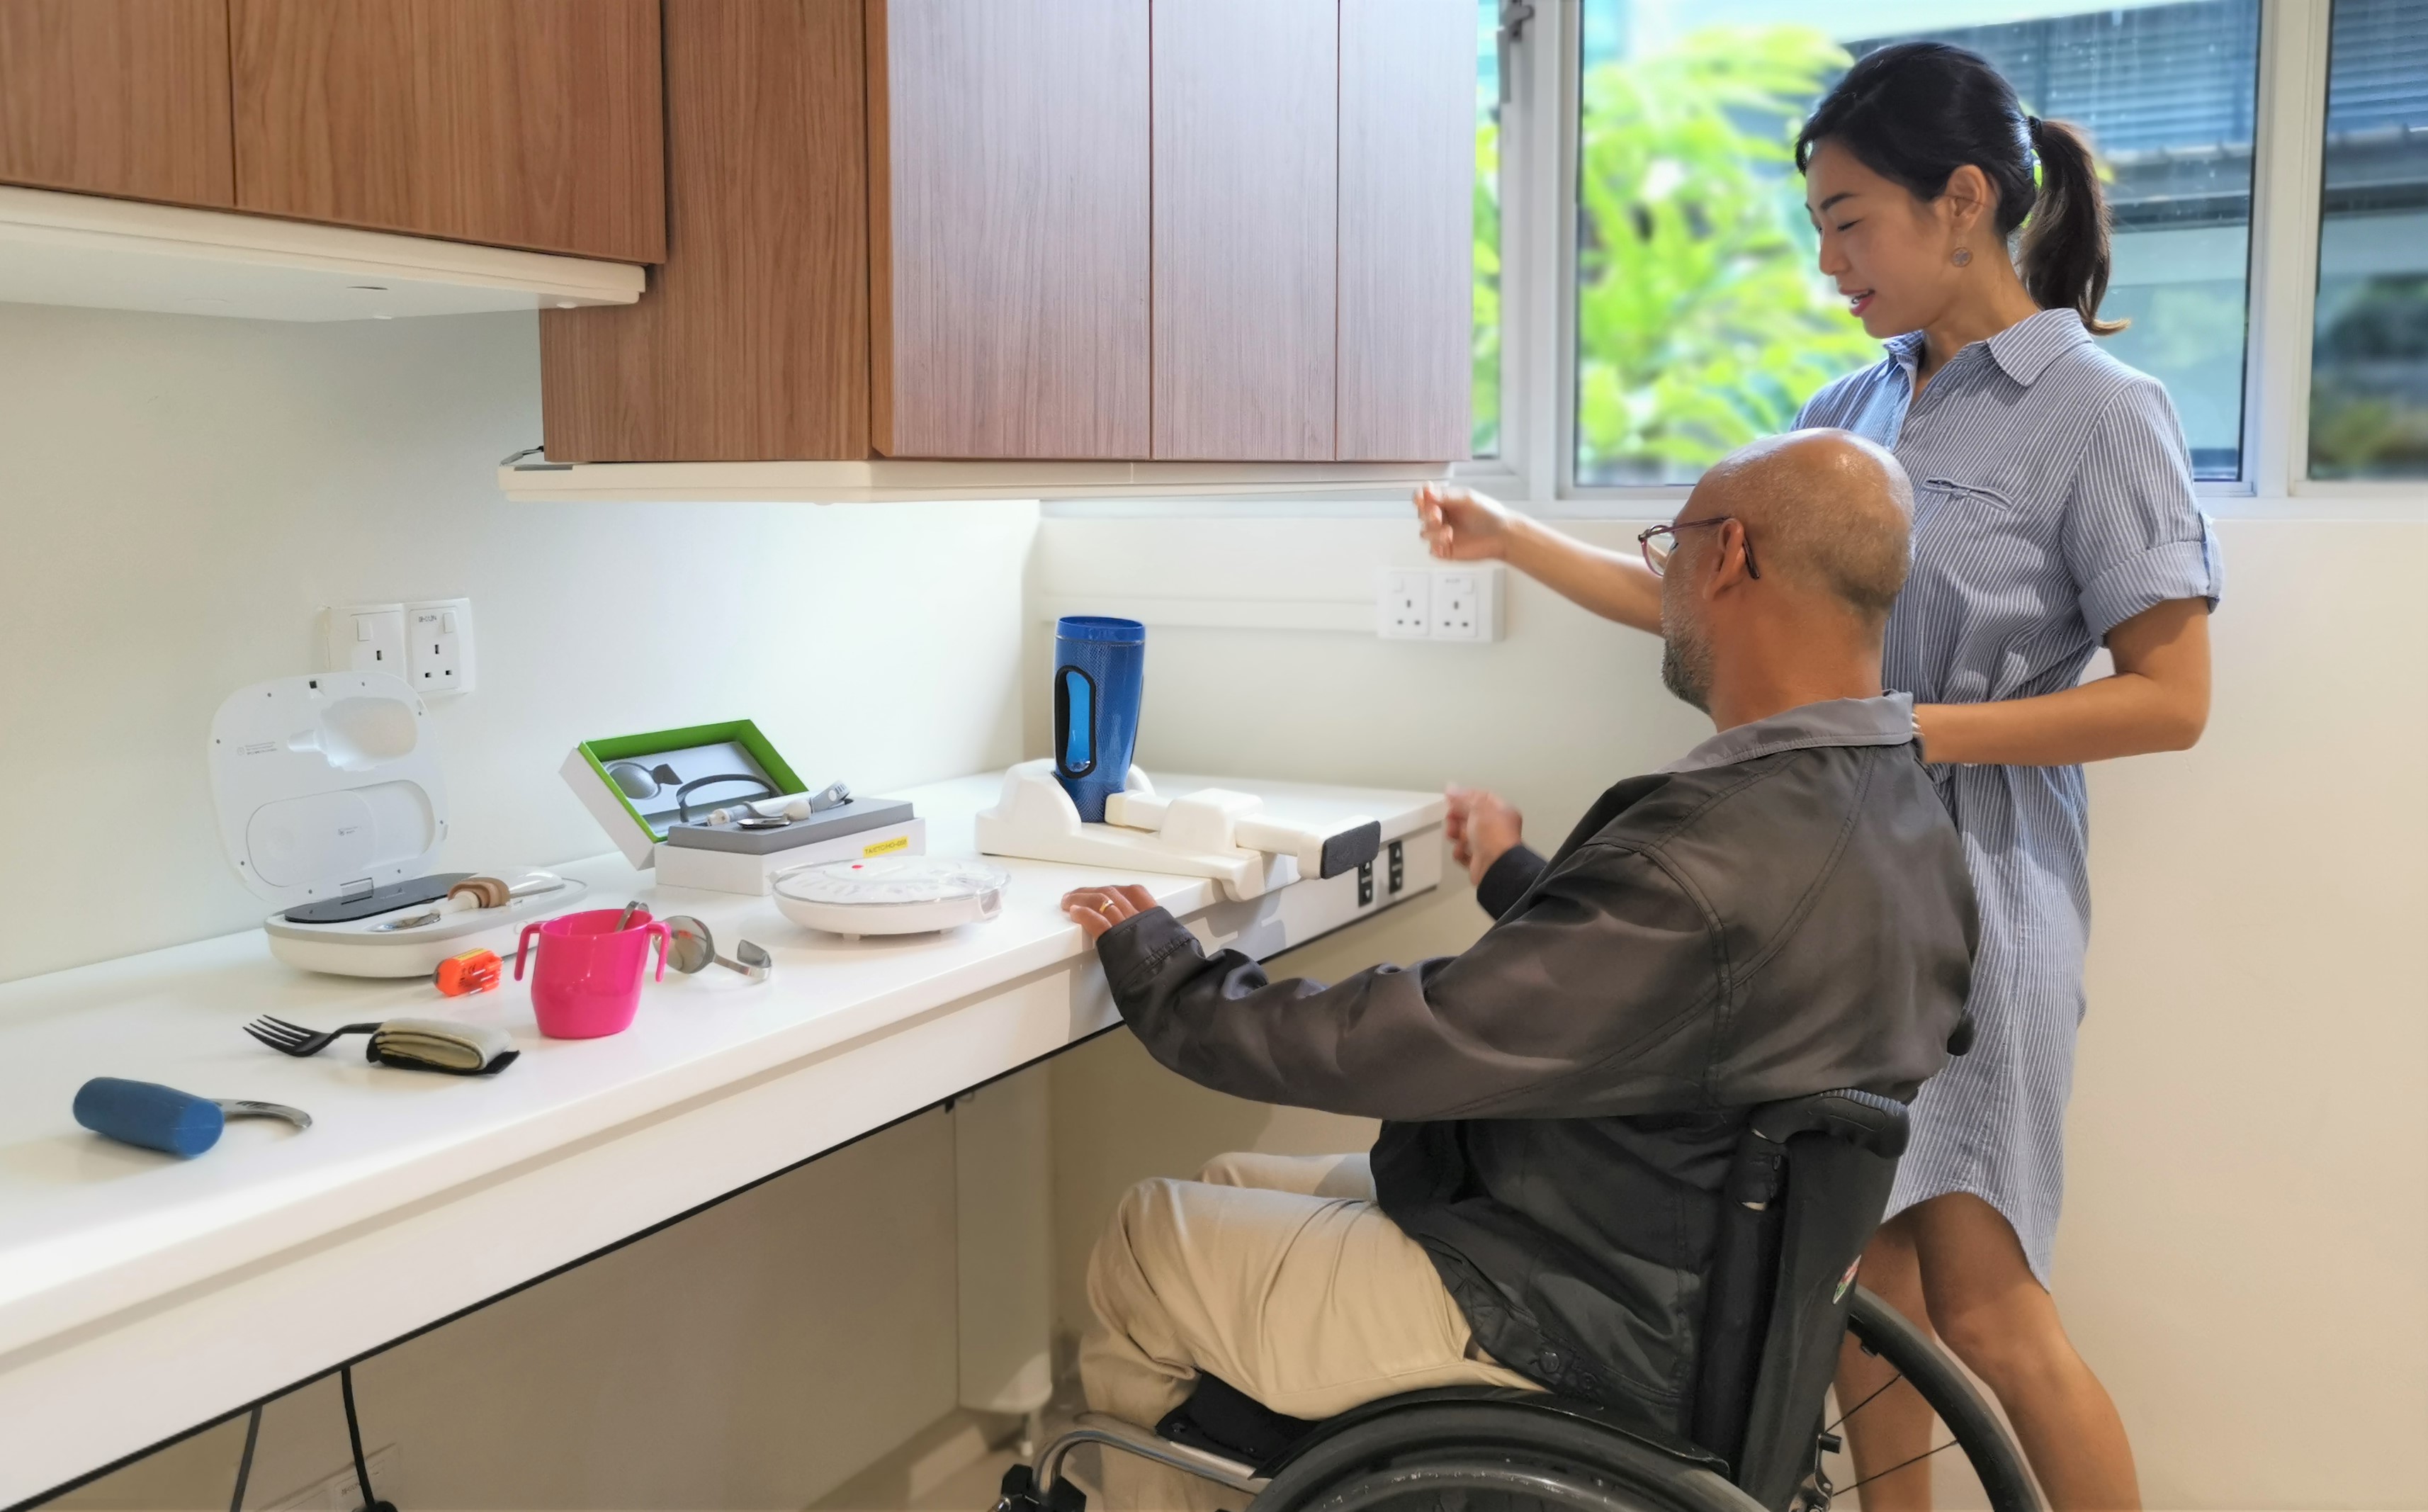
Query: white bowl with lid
<point x="890" y="894"/>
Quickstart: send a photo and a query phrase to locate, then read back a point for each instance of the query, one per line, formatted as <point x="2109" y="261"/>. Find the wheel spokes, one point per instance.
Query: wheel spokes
<point x="1893" y="1469"/>
<point x="1866" y="1403"/>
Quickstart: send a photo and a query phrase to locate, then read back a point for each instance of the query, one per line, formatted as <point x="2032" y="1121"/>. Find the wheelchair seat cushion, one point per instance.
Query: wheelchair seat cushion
<point x="1221" y="1418"/>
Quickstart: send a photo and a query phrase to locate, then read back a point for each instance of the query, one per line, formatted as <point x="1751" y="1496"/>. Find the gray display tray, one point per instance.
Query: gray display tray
<point x="833" y="824"/>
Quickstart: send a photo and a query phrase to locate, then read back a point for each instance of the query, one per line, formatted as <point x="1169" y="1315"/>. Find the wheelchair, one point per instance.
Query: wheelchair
<point x="1806" y="1187"/>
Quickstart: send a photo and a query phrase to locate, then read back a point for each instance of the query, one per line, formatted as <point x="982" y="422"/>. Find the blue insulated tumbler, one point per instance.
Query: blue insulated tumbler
<point x="1099" y="678"/>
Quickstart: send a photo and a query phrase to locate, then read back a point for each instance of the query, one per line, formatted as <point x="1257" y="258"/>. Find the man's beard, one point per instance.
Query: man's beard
<point x="1686" y="662"/>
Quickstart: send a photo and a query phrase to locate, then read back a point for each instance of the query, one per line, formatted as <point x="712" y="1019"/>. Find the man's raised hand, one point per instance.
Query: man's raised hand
<point x="1482" y="827"/>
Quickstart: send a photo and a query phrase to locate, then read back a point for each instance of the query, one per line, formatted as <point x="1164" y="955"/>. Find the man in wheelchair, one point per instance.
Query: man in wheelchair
<point x="1781" y="911"/>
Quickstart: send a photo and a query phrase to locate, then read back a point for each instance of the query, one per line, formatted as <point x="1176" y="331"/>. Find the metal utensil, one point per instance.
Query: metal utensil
<point x="531" y="887"/>
<point x="624" y="920"/>
<point x="294" y="1039"/>
<point x="690" y="950"/>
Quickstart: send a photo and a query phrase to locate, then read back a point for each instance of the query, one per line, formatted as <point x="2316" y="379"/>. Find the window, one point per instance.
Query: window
<point x="2369" y="375"/>
<point x="1701" y="321"/>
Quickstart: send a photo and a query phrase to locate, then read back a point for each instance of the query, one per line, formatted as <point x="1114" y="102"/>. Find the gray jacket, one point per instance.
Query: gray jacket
<point x="1784" y="912"/>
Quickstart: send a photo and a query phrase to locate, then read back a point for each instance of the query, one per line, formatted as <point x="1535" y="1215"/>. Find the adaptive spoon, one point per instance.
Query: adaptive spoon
<point x="690" y="948"/>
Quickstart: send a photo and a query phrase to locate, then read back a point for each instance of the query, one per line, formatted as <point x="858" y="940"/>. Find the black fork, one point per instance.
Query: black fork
<point x="294" y="1039"/>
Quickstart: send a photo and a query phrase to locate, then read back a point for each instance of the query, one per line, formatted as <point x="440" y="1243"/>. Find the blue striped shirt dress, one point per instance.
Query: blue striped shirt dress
<point x="2052" y="500"/>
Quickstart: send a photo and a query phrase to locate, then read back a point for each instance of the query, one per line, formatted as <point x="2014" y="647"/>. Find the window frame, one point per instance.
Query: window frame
<point x="1538" y="211"/>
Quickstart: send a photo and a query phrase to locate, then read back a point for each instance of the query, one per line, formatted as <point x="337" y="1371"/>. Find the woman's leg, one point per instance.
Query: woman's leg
<point x="1888" y="1424"/>
<point x="1996" y="1316"/>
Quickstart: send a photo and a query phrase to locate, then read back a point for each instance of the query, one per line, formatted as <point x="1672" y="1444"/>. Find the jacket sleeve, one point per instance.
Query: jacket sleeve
<point x="1506" y="881"/>
<point x="1595" y="1000"/>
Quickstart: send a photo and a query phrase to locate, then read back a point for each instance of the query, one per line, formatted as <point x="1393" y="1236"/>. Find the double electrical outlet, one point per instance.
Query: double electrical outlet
<point x="428" y="644"/>
<point x="1458" y="601"/>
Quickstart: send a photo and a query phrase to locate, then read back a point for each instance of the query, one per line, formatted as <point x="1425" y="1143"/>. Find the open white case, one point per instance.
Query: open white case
<point x="330" y="798"/>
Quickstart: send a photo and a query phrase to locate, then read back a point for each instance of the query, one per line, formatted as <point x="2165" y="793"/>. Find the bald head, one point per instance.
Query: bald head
<point x="1826" y="509"/>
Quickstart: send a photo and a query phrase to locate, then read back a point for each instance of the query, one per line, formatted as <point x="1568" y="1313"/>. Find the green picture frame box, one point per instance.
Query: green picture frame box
<point x="585" y="772"/>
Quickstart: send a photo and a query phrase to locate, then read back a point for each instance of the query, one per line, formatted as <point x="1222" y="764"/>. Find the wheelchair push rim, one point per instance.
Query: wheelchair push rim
<point x="1509" y="1448"/>
<point x="1966" y="1421"/>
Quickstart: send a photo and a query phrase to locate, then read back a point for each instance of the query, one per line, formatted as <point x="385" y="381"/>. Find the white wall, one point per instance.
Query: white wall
<point x="181" y="495"/>
<point x="2241" y="1256"/>
<point x="177" y="498"/>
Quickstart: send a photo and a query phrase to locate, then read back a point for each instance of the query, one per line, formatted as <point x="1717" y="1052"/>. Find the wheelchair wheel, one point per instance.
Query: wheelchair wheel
<point x="1974" y="1427"/>
<point x="1483" y="1457"/>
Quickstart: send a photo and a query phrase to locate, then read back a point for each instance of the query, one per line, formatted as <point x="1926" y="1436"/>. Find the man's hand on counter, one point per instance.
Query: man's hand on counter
<point x="1098" y="909"/>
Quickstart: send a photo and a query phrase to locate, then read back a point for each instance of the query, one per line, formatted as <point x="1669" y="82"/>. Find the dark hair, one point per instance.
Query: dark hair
<point x="1915" y="112"/>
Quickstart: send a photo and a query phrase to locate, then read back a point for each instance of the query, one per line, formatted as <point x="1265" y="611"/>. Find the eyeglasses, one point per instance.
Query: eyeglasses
<point x="1660" y="543"/>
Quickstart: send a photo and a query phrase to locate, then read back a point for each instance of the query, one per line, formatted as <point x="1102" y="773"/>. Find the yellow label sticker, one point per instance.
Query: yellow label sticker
<point x="882" y="846"/>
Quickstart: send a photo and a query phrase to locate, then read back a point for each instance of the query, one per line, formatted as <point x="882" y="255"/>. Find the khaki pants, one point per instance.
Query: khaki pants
<point x="1279" y="1275"/>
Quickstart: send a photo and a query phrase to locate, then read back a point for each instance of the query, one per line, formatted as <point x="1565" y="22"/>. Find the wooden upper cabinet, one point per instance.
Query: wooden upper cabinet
<point x="752" y="342"/>
<point x="1246" y="212"/>
<point x="1007" y="227"/>
<point x="1407" y="236"/>
<point x="120" y="97"/>
<point x="529" y="123"/>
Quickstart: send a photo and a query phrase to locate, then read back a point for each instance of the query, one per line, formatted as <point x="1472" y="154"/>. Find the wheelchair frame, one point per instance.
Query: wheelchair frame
<point x="1806" y="1187"/>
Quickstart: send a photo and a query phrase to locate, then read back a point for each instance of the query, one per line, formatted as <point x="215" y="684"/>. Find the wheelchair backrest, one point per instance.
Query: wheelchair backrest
<point x="1806" y="1188"/>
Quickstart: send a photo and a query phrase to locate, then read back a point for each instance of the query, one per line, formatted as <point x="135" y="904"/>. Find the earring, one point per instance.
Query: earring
<point x="1961" y="256"/>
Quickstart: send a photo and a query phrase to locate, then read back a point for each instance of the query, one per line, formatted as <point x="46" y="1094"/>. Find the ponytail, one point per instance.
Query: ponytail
<point x="1915" y="112"/>
<point x="2065" y="258"/>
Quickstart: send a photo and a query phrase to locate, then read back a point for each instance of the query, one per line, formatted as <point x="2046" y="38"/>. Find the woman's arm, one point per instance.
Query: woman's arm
<point x="2156" y="701"/>
<point x="1462" y="526"/>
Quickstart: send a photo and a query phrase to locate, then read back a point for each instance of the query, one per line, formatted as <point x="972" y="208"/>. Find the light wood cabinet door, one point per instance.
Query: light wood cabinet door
<point x="516" y="123"/>
<point x="120" y="97"/>
<point x="1007" y="227"/>
<point x="1246" y="208"/>
<point x="1407" y="236"/>
<point x="752" y="342"/>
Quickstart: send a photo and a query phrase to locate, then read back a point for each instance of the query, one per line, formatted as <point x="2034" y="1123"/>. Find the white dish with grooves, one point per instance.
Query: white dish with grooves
<point x="890" y="894"/>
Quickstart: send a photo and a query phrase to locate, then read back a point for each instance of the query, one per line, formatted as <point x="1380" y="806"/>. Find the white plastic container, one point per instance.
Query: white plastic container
<point x="327" y="790"/>
<point x="890" y="894"/>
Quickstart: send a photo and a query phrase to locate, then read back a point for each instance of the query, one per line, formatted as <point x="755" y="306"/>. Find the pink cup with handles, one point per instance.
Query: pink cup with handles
<point x="588" y="981"/>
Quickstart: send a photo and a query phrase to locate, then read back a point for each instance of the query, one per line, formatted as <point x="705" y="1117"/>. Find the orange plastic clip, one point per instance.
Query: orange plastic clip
<point x="474" y="971"/>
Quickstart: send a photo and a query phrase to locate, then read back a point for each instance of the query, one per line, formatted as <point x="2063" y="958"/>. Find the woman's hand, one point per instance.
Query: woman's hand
<point x="1482" y="827"/>
<point x="1460" y="525"/>
<point x="1098" y="909"/>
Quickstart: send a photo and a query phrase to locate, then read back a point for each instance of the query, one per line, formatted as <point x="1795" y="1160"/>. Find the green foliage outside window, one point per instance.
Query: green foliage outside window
<point x="2369" y="385"/>
<point x="1702" y="322"/>
<point x="1486" y="410"/>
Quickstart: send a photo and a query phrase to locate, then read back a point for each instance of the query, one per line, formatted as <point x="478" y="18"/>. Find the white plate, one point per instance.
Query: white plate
<point x="890" y="894"/>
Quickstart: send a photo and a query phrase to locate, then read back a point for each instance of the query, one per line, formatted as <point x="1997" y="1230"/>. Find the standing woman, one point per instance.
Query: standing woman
<point x="2054" y="511"/>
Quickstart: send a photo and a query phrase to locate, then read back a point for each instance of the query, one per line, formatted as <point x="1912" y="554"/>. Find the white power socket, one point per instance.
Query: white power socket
<point x="341" y="1491"/>
<point x="1454" y="602"/>
<point x="438" y="647"/>
<point x="363" y="637"/>
<point x="1403" y="606"/>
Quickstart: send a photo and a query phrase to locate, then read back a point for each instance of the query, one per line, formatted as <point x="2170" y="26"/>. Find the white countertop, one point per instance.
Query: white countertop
<point x="93" y="1233"/>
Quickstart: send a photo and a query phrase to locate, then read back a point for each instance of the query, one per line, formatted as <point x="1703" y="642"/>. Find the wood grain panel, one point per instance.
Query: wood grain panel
<point x="1408" y="240"/>
<point x="752" y="343"/>
<point x="1007" y="227"/>
<point x="122" y="97"/>
<point x="519" y="123"/>
<point x="1245" y="210"/>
